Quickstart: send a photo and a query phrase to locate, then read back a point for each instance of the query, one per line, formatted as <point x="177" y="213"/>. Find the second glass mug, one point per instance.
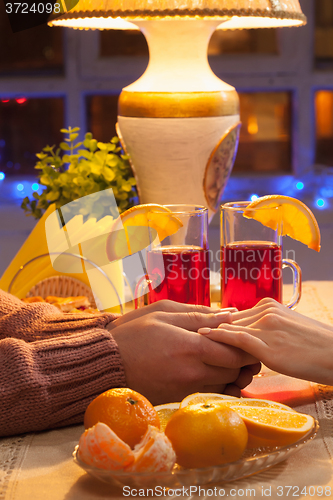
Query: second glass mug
<point x="251" y="260"/>
<point x="178" y="266"/>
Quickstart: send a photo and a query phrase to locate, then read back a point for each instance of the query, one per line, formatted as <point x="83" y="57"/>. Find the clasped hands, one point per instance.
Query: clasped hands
<point x="170" y="350"/>
<point x="165" y="358"/>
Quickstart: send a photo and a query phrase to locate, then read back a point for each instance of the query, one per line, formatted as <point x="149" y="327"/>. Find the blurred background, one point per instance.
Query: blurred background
<point x="53" y="77"/>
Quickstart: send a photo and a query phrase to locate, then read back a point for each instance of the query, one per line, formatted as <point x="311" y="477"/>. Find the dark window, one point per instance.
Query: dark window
<point x="26" y="127"/>
<point x="324" y="127"/>
<point x="259" y="41"/>
<point x="102" y="116"/>
<point x="133" y="43"/>
<point x="324" y="34"/>
<point x="30" y="52"/>
<point x="265" y="137"/>
<point x="122" y="43"/>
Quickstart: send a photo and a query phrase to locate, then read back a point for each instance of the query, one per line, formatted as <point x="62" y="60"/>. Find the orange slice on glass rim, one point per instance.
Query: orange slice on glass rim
<point x="293" y="216"/>
<point x="137" y="227"/>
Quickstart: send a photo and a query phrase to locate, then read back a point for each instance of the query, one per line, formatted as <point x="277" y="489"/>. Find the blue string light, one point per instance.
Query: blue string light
<point x="2" y="176"/>
<point x="20" y="187"/>
<point x="320" y="203"/>
<point x="35" y="186"/>
<point x="299" y="185"/>
<point x="254" y="197"/>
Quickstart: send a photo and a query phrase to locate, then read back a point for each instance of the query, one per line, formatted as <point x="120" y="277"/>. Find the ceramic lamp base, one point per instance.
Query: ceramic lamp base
<point x="181" y="160"/>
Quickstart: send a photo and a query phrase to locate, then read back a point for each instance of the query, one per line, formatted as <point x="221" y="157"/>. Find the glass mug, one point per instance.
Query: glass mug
<point x="178" y="266"/>
<point x="251" y="260"/>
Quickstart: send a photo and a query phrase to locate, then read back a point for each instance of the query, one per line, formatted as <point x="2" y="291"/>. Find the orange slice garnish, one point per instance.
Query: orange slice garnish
<point x="136" y="228"/>
<point x="292" y="217"/>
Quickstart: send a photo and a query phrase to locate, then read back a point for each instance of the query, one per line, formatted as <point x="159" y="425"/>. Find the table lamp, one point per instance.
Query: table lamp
<point x="179" y="122"/>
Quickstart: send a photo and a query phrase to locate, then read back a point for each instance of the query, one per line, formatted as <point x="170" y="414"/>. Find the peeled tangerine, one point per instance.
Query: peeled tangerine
<point x="154" y="453"/>
<point x="100" y="447"/>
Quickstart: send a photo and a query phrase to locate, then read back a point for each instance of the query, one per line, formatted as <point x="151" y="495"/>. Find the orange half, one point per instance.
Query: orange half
<point x="204" y="397"/>
<point x="273" y="426"/>
<point x="165" y="412"/>
<point x="292" y="216"/>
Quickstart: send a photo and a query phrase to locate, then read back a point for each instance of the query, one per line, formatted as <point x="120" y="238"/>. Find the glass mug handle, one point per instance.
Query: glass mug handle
<point x="297" y="282"/>
<point x="142" y="290"/>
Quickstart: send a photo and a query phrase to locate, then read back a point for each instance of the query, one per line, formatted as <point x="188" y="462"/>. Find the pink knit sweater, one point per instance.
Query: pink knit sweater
<point x="52" y="365"/>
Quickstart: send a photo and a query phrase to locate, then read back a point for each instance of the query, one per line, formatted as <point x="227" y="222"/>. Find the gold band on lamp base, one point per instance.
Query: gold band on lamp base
<point x="178" y="104"/>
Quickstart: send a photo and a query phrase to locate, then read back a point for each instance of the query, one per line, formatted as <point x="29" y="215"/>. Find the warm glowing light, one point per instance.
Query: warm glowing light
<point x="232" y="23"/>
<point x="324" y="106"/>
<point x="21" y="100"/>
<point x="95" y="23"/>
<point x="4" y="100"/>
<point x="252" y="125"/>
<point x="239" y="22"/>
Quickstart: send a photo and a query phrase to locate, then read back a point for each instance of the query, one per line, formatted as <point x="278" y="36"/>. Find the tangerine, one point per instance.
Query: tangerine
<point x="204" y="435"/>
<point x="101" y="447"/>
<point x="153" y="454"/>
<point x="125" y="411"/>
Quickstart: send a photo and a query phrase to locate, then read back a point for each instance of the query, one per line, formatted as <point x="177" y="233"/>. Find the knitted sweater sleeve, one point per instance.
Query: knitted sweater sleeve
<point x="52" y="365"/>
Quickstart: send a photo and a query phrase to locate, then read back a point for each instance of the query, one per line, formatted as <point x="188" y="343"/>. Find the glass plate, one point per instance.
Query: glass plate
<point x="255" y="461"/>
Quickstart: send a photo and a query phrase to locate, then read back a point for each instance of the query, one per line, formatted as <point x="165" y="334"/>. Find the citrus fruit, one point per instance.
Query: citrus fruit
<point x="153" y="454"/>
<point x="273" y="426"/>
<point x="125" y="411"/>
<point x="204" y="435"/>
<point x="255" y="403"/>
<point x="294" y="218"/>
<point x="101" y="447"/>
<point x="136" y="228"/>
<point x="165" y="412"/>
<point x="203" y="397"/>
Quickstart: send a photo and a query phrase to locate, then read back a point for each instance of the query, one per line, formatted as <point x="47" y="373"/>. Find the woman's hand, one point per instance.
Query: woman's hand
<point x="166" y="359"/>
<point x="283" y="340"/>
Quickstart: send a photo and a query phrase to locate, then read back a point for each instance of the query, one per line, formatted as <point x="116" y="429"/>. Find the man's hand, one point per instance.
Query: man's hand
<point x="166" y="359"/>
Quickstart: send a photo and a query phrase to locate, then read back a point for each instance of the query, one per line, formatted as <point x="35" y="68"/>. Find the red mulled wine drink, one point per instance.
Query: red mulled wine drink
<point x="250" y="271"/>
<point x="185" y="277"/>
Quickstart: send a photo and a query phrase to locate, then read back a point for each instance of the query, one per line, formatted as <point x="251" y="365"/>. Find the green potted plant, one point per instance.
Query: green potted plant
<point x="78" y="169"/>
